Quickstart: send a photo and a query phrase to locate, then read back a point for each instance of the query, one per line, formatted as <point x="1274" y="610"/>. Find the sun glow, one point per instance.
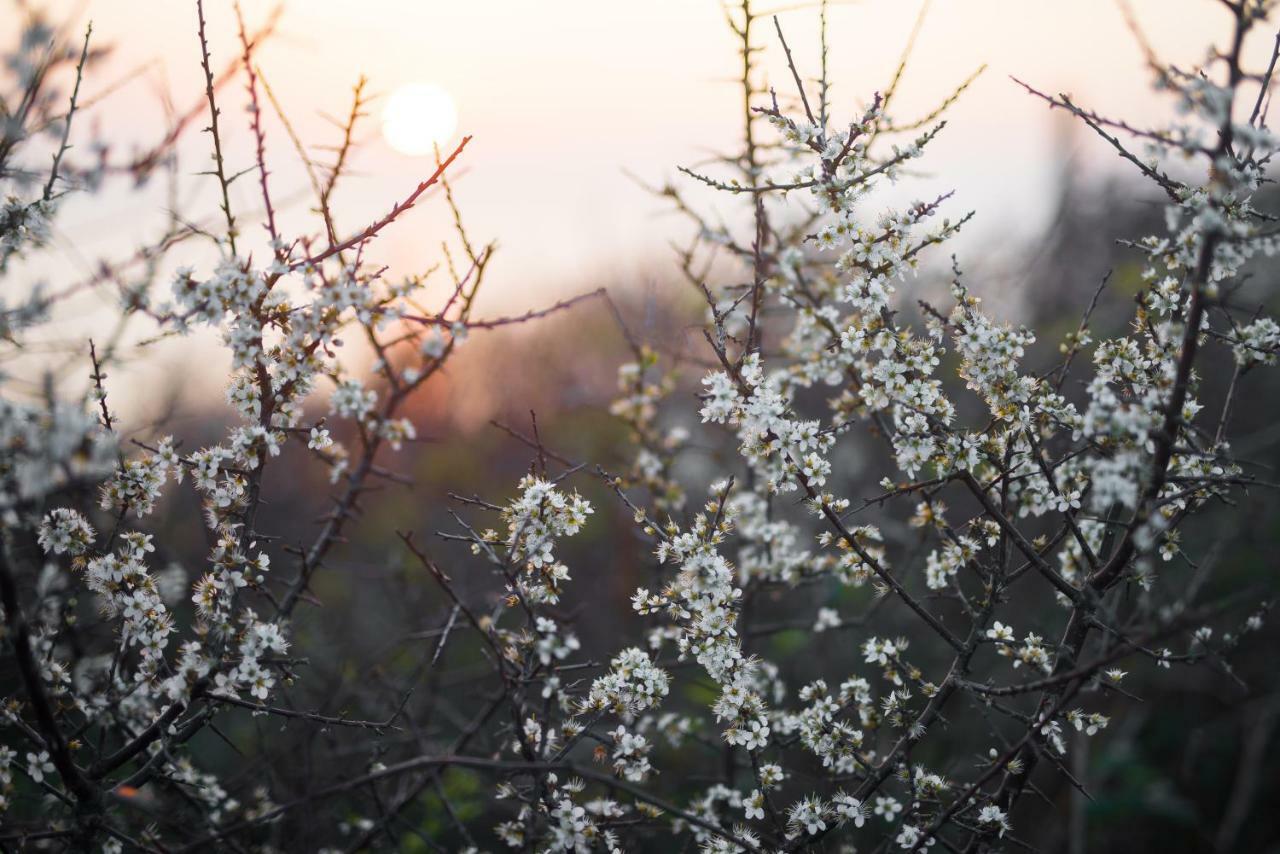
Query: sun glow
<point x="417" y="118"/>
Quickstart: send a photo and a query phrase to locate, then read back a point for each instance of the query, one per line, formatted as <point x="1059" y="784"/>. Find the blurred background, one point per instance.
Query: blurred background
<point x="575" y="106"/>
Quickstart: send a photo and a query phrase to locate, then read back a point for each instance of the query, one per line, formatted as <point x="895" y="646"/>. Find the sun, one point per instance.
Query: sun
<point x="417" y="118"/>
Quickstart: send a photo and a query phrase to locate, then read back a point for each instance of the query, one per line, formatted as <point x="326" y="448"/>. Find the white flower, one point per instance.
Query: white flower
<point x="993" y="816"/>
<point x="849" y="809"/>
<point x="39" y="764"/>
<point x="828" y="618"/>
<point x="887" y="808"/>
<point x="64" y="530"/>
<point x="999" y="631"/>
<point x="807" y="816"/>
<point x="910" y="836"/>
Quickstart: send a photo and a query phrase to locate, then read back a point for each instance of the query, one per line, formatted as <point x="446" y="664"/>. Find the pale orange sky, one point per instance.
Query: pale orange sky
<point x="562" y="96"/>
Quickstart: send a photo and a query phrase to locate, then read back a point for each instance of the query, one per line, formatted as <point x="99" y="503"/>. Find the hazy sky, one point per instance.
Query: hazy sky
<point x="563" y="97"/>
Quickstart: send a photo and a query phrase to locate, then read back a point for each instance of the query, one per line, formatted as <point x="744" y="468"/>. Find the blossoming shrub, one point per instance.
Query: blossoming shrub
<point x="1050" y="507"/>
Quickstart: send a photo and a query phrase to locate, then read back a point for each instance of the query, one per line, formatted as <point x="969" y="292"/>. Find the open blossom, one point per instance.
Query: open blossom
<point x="992" y="816"/>
<point x="1257" y="343"/>
<point x="38" y="765"/>
<point x="318" y="439"/>
<point x="631" y="754"/>
<point x="807" y="816"/>
<point x="910" y="836"/>
<point x="351" y="400"/>
<point x="887" y="808"/>
<point x="1000" y="632"/>
<point x="633" y="684"/>
<point x="849" y="809"/>
<point x="64" y="530"/>
<point x="535" y="521"/>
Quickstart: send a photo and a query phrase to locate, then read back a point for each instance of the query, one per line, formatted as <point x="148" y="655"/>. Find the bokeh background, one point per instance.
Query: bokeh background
<point x="573" y="104"/>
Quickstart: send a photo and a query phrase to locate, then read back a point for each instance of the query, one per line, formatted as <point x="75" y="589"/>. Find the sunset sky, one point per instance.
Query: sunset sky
<point x="564" y="98"/>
